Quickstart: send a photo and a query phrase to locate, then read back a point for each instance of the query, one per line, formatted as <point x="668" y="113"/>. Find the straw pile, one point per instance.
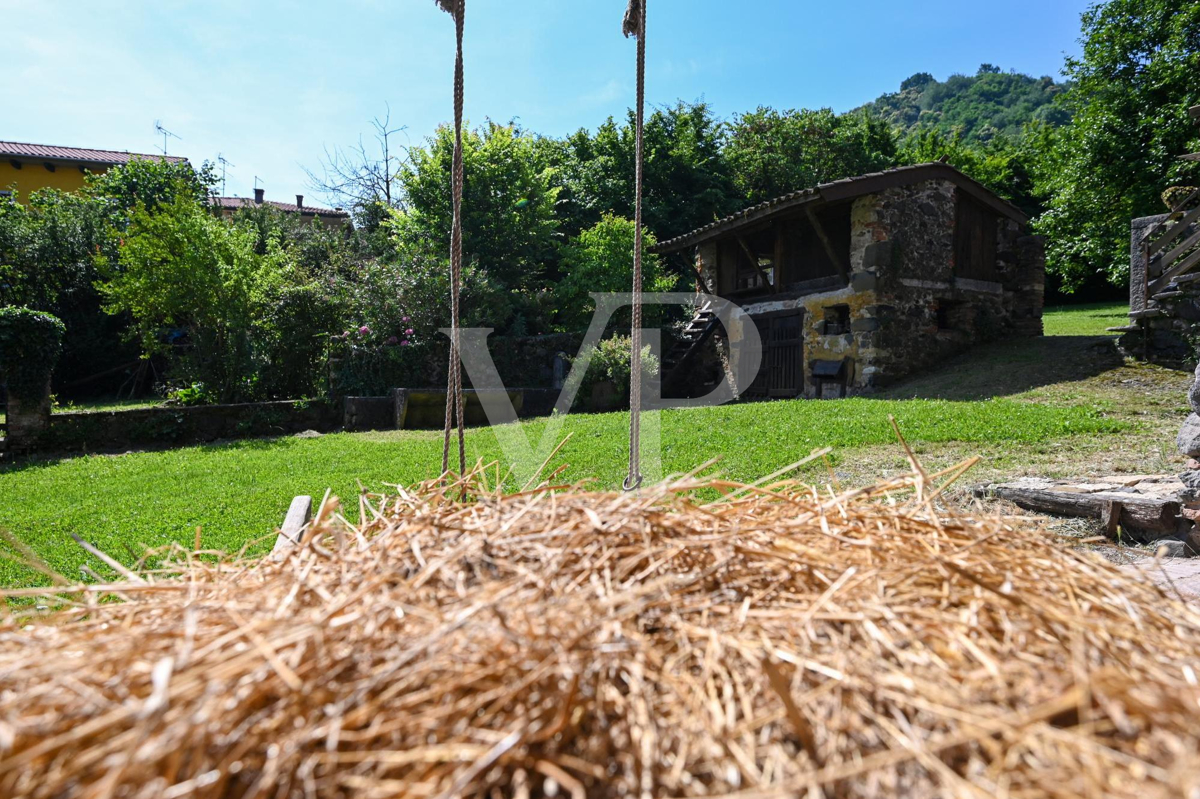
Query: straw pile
<point x="775" y="642"/>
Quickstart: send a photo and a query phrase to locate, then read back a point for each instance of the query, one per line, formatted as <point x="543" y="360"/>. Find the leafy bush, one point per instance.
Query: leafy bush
<point x="611" y="364"/>
<point x="197" y="292"/>
<point x="30" y="343"/>
<point x="293" y="339"/>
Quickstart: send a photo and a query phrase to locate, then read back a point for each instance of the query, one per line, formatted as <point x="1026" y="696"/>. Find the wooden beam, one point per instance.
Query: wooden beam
<point x="1142" y="515"/>
<point x="1180" y="266"/>
<point x="826" y="243"/>
<point x="754" y="261"/>
<point x="49" y="166"/>
<point x="1194" y="112"/>
<point x="1190" y="157"/>
<point x="1188" y="243"/>
<point x="15" y="163"/>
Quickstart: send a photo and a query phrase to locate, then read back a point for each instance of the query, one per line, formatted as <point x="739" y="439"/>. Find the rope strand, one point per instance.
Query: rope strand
<point x="635" y="24"/>
<point x="454" y="390"/>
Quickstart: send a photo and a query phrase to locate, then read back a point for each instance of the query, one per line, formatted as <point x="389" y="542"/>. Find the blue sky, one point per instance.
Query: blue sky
<point x="272" y="84"/>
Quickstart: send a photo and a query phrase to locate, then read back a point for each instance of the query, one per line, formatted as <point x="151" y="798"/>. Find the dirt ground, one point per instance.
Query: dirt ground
<point x="1151" y="402"/>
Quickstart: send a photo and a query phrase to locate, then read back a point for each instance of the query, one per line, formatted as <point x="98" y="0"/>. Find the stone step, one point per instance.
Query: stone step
<point x="1149" y="313"/>
<point x="1168" y="295"/>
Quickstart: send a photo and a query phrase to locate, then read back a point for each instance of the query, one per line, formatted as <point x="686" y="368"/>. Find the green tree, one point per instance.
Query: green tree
<point x="772" y="152"/>
<point x="601" y="259"/>
<point x="976" y="106"/>
<point x="686" y="182"/>
<point x="196" y="290"/>
<point x="509" y="225"/>
<point x="1138" y="74"/>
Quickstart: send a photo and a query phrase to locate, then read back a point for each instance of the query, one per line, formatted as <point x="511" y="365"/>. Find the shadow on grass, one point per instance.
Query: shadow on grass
<point x="1013" y="367"/>
<point x="43" y="460"/>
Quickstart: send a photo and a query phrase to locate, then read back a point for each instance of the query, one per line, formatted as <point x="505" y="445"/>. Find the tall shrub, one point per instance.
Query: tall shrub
<point x="197" y="290"/>
<point x="30" y="343"/>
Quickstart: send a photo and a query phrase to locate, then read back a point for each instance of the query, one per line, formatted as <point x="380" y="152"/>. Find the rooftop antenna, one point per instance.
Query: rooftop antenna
<point x="165" y="133"/>
<point x="257" y="180"/>
<point x="224" y="162"/>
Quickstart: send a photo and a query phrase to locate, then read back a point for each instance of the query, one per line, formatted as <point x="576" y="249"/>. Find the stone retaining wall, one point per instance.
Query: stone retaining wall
<point x="91" y="431"/>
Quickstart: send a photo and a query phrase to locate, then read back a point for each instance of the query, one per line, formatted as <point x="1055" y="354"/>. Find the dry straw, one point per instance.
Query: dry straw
<point x="772" y="641"/>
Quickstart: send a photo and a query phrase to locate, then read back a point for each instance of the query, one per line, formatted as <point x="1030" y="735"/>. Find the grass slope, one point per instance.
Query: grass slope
<point x="239" y="491"/>
<point x="1091" y="319"/>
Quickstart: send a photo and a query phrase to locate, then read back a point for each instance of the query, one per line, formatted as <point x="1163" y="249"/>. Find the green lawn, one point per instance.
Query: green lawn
<point x="239" y="491"/>
<point x="1085" y="320"/>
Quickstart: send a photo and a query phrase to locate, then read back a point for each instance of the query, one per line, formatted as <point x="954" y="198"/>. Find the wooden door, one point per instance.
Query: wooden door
<point x="781" y="373"/>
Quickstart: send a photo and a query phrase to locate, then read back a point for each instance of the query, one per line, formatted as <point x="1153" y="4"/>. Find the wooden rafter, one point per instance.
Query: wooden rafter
<point x="826" y="243"/>
<point x="753" y="260"/>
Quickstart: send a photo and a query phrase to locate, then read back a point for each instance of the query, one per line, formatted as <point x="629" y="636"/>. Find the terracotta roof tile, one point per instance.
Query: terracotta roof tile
<point x="14" y="149"/>
<point x="233" y="203"/>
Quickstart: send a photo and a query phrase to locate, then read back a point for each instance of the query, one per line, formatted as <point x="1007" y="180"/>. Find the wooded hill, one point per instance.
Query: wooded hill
<point x="977" y="106"/>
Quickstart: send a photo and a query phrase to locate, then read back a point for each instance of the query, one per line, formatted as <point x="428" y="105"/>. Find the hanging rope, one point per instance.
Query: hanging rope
<point x="454" y="390"/>
<point x="635" y="25"/>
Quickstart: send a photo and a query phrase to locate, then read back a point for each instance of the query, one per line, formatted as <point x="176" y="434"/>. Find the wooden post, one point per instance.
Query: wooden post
<point x="294" y="524"/>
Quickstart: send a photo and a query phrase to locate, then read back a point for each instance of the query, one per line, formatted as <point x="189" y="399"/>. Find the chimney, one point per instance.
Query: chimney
<point x="299" y="202"/>
<point x="258" y="196"/>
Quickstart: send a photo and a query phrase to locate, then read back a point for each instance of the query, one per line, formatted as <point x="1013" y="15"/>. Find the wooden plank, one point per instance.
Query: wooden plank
<point x="1187" y="244"/>
<point x="826" y="243"/>
<point x="1194" y="112"/>
<point x="1173" y="233"/>
<point x="298" y="515"/>
<point x="1190" y="157"/>
<point x="1158" y="228"/>
<point x="1180" y="266"/>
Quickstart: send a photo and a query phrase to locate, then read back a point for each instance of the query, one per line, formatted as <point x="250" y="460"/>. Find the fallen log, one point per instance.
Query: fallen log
<point x="1145" y="509"/>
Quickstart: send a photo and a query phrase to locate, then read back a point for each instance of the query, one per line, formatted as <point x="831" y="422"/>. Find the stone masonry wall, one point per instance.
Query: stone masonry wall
<point x="924" y="313"/>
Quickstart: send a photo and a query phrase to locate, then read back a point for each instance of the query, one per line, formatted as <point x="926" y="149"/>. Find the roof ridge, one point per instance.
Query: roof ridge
<point x="818" y="189"/>
<point x="128" y="154"/>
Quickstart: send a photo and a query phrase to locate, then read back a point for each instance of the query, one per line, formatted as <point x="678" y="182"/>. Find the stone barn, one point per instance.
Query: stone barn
<point x="858" y="283"/>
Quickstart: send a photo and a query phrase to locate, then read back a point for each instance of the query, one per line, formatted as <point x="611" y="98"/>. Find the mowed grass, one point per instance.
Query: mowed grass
<point x="1091" y="319"/>
<point x="238" y="492"/>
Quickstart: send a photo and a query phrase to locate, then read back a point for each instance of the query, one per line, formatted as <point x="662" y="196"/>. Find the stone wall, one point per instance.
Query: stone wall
<point x="1165" y="328"/>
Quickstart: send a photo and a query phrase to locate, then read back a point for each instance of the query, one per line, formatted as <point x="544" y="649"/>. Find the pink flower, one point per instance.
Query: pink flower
<point x="404" y="319"/>
<point x="364" y="330"/>
<point x="404" y="343"/>
<point x="408" y="332"/>
<point x="391" y="340"/>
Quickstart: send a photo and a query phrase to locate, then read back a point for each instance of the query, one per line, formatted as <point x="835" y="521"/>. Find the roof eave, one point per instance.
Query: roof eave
<point x="846" y="189"/>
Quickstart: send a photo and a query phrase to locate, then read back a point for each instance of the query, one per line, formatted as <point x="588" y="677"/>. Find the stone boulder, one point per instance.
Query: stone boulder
<point x="1194" y="392"/>
<point x="1188" y="440"/>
